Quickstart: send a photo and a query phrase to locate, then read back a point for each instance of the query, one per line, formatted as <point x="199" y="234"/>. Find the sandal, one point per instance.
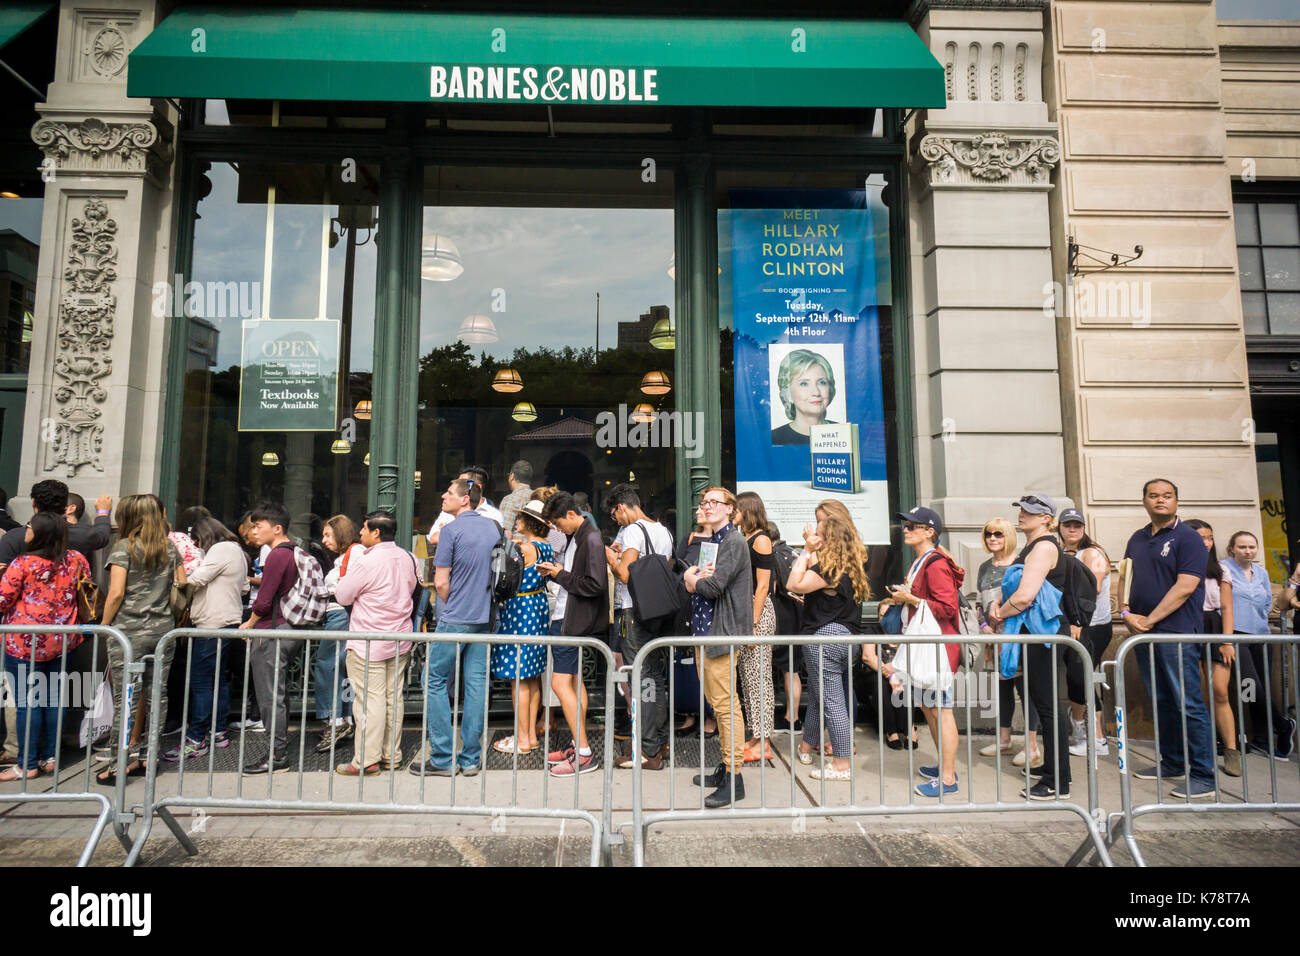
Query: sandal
<point x="46" y="766"/>
<point x="752" y="755"/>
<point x="17" y="773"/>
<point x="508" y="745"/>
<point x="109" y="777"/>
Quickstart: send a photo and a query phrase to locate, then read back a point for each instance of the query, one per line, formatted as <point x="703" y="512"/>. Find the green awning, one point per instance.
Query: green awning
<point x="419" y="56"/>
<point x="17" y="17"/>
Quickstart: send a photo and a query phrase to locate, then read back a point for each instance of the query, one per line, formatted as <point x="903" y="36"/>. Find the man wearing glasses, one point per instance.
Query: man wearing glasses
<point x="722" y="604"/>
<point x="477" y="477"/>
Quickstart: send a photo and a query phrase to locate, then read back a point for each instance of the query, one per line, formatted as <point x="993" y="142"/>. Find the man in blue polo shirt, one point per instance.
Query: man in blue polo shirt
<point x="1166" y="596"/>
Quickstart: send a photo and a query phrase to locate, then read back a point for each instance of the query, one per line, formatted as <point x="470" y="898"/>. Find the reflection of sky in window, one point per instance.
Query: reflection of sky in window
<point x="23" y="216"/>
<point x="550" y="264"/>
<point x="229" y="246"/>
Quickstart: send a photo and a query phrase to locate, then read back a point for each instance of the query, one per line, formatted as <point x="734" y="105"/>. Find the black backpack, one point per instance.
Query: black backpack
<point x="788" y="608"/>
<point x="1079" y="600"/>
<point x="507" y="570"/>
<point x="658" y="595"/>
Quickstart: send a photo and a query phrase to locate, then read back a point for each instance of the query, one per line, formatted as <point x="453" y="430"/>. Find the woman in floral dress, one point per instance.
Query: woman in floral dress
<point x="528" y="612"/>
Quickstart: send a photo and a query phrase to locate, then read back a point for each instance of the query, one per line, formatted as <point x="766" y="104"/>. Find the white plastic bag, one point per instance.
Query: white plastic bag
<point x="98" y="719"/>
<point x="925" y="664"/>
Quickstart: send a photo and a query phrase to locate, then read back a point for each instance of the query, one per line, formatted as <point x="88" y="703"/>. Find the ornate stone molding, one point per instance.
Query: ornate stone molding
<point x="85" y="336"/>
<point x="92" y="145"/>
<point x="983" y="159"/>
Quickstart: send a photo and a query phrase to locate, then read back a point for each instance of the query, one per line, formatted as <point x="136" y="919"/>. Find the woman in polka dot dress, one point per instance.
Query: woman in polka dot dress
<point x="528" y="612"/>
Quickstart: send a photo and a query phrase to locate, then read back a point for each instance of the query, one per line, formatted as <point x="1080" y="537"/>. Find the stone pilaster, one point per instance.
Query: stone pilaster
<point x="985" y="368"/>
<point x="94" y="404"/>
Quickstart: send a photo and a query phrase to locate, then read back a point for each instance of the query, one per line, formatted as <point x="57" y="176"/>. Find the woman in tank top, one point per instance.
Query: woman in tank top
<point x="1096" y="636"/>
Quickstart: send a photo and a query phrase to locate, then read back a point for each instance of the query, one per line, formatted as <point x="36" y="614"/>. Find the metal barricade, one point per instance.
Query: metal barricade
<point x="162" y="806"/>
<point x="29" y="683"/>
<point x="1193" y="650"/>
<point x="1090" y="814"/>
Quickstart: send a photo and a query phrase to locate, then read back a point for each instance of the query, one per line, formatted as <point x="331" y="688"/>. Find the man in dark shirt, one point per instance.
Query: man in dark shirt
<point x="52" y="496"/>
<point x="270" y="658"/>
<point x="1166" y="596"/>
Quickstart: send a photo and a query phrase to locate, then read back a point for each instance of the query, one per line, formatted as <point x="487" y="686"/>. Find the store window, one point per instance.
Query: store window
<point x="805" y="302"/>
<point x="546" y="332"/>
<point x="20" y="247"/>
<point x="280" y="298"/>
<point x="1268" y="259"/>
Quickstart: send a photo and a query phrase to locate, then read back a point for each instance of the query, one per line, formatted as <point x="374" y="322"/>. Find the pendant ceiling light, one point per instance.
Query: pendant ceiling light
<point x="366" y="460"/>
<point x="656" y="382"/>
<point x="524" y="412"/>
<point x="363" y="410"/>
<point x="341" y="446"/>
<point x="417" y="481"/>
<point x="643" y="413"/>
<point x="507" y="380"/>
<point x="270" y="458"/>
<point x="664" y="334"/>
<point x="477" y="330"/>
<point x="439" y="259"/>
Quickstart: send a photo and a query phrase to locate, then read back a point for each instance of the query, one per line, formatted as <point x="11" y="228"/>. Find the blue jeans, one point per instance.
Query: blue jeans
<point x="1200" y="748"/>
<point x="329" y="673"/>
<point x="203" y="671"/>
<point x="440" y="673"/>
<point x="35" y="687"/>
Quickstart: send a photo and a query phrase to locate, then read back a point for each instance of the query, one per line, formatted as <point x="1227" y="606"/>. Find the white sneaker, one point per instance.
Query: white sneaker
<point x="1103" y="748"/>
<point x="1081" y="748"/>
<point x="252" y="726"/>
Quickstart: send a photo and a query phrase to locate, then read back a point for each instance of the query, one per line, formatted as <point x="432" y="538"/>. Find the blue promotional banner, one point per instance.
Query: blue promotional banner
<point x="810" y="273"/>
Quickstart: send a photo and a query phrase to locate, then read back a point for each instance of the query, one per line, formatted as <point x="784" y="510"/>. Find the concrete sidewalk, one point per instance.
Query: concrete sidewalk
<point x="1038" y="834"/>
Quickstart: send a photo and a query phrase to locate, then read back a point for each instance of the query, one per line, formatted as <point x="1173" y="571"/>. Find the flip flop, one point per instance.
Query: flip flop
<point x="506" y="745"/>
<point x="17" y="773"/>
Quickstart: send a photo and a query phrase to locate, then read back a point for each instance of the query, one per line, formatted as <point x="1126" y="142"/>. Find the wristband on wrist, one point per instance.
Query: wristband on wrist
<point x="1123" y="613"/>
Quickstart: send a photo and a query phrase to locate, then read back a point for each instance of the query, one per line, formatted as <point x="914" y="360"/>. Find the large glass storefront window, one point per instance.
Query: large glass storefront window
<point x="808" y="390"/>
<point x="545" y="332"/>
<point x="280" y="298"/>
<point x="20" y="249"/>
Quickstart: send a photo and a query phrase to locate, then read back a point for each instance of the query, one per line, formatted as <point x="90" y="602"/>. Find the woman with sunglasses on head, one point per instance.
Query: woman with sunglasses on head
<point x="1095" y="636"/>
<point x="1000" y="542"/>
<point x="1252" y="599"/>
<point x="935" y="579"/>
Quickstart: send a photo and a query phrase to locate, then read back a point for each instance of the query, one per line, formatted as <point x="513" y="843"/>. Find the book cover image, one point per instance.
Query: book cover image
<point x="836" y="462"/>
<point x="708" y="555"/>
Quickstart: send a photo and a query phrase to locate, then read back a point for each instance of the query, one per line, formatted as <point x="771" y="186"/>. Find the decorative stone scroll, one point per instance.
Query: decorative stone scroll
<point x="84" y="338"/>
<point x="992" y="159"/>
<point x="94" y="145"/>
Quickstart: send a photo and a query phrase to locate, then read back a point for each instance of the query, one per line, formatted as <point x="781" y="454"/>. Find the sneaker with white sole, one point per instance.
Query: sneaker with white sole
<point x="252" y="726"/>
<point x="567" y="768"/>
<point x="1081" y="748"/>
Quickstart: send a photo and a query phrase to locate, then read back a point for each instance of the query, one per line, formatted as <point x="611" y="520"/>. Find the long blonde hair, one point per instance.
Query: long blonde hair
<point x="842" y="553"/>
<point x="143" y="526"/>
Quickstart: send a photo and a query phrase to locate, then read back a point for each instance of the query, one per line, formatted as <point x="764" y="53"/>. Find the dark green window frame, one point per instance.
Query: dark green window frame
<point x="406" y="145"/>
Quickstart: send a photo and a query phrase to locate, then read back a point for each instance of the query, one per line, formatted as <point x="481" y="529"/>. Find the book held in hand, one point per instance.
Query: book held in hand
<point x="708" y="555"/>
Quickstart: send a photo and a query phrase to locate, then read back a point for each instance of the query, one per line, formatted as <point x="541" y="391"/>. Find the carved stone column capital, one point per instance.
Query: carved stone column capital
<point x="993" y="159"/>
<point x="91" y="145"/>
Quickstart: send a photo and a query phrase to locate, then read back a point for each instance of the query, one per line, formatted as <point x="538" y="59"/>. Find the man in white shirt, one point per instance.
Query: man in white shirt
<point x="638" y="535"/>
<point x="485" y="509"/>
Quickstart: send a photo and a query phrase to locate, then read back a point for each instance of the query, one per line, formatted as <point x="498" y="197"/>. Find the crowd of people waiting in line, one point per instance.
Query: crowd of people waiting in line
<point x="734" y="577"/>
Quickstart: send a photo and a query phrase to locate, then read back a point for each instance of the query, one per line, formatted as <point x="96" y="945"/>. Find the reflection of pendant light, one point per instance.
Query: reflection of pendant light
<point x="270" y="458"/>
<point x="656" y="382"/>
<point x="366" y="460"/>
<point x="439" y="259"/>
<point x="507" y="380"/>
<point x="417" y="481"/>
<point x="664" y="334"/>
<point x="477" y="330"/>
<point x="362" y="412"/>
<point x="524" y="412"/>
<point x="643" y="413"/>
<point x="341" y="446"/>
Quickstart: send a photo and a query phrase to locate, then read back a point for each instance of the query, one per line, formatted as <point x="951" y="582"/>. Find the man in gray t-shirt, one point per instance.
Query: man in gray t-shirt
<point x="462" y="575"/>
